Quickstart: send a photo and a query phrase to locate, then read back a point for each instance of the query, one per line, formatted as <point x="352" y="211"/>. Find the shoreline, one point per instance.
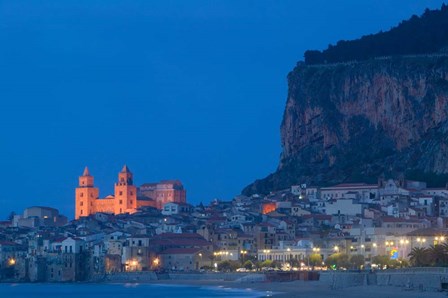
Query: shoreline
<point x="302" y="289"/>
<point x="298" y="288"/>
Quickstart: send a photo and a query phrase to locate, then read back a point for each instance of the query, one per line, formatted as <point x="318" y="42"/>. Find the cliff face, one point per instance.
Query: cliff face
<point x="355" y="121"/>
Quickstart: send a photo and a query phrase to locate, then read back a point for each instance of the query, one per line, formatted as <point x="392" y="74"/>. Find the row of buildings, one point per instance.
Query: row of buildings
<point x="388" y="218"/>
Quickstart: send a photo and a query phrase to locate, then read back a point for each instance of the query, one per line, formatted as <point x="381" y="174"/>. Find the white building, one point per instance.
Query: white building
<point x="176" y="208"/>
<point x="73" y="245"/>
<point x="344" y="207"/>
<point x="364" y="192"/>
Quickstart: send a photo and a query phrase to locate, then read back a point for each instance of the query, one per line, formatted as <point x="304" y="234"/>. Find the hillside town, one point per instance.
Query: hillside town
<point x="298" y="228"/>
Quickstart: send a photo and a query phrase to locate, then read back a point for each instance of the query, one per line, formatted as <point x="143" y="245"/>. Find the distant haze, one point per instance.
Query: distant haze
<point x="189" y="90"/>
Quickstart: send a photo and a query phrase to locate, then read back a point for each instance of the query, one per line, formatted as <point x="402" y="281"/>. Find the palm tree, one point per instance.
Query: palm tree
<point x="438" y="255"/>
<point x="419" y="257"/>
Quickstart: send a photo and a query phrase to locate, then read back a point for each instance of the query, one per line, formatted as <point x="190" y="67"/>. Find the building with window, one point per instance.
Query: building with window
<point x="127" y="197"/>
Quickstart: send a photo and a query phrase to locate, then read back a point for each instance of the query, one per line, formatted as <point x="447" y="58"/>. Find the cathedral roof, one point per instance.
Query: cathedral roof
<point x="125" y="169"/>
<point x="86" y="172"/>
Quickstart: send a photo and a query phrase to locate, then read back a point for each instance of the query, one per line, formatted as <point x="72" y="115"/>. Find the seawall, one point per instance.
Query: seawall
<point x="425" y="279"/>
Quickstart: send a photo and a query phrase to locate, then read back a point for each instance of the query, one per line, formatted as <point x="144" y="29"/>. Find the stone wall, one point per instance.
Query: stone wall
<point x="206" y="276"/>
<point x="426" y="279"/>
<point x="131" y="277"/>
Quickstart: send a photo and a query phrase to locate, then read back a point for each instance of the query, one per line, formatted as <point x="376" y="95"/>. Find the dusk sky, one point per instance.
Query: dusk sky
<point x="189" y="90"/>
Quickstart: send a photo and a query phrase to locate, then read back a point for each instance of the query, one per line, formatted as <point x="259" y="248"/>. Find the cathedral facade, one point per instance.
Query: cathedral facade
<point x="127" y="197"/>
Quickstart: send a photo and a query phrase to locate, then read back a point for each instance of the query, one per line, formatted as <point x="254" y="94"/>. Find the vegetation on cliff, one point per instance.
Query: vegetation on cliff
<point x="418" y="35"/>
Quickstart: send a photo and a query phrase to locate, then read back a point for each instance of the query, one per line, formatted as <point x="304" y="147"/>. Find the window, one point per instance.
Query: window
<point x="81" y="194"/>
<point x="121" y="202"/>
<point x="131" y="193"/>
<point x="81" y="204"/>
<point x="120" y="193"/>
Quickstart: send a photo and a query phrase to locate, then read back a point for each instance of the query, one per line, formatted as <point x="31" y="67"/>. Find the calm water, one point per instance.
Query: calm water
<point x="119" y="290"/>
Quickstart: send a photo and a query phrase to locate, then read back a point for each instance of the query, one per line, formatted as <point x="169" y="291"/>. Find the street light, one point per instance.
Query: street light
<point x="421" y="241"/>
<point x="266" y="252"/>
<point x="437" y="240"/>
<point x="243" y="252"/>
<point x="156" y="262"/>
<point x="336" y="248"/>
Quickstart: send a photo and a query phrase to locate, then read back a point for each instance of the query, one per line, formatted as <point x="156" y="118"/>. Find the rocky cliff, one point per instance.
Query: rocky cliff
<point x="355" y="121"/>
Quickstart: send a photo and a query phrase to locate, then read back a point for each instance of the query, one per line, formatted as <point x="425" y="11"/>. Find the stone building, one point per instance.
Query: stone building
<point x="127" y="198"/>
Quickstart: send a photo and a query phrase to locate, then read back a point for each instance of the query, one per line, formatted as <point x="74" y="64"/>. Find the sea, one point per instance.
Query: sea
<point x="82" y="290"/>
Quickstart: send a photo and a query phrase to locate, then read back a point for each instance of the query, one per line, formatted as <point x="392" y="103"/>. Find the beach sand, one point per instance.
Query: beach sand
<point x="312" y="289"/>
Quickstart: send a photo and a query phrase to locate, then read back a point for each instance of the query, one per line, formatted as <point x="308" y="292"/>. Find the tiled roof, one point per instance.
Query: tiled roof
<point x="178" y="251"/>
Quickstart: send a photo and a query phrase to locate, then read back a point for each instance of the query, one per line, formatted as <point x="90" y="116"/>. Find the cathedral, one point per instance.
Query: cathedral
<point x="127" y="197"/>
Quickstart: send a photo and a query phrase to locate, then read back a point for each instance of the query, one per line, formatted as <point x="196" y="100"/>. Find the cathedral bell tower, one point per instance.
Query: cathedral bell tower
<point x="85" y="195"/>
<point x="125" y="193"/>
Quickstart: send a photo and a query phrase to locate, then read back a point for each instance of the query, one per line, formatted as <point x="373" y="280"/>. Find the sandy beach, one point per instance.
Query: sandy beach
<point x="312" y="289"/>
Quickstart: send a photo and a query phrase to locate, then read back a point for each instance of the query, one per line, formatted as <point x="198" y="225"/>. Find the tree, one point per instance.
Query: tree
<point x="356" y="261"/>
<point x="267" y="263"/>
<point x="403" y="263"/>
<point x="438" y="255"/>
<point x="315" y="259"/>
<point x="419" y="257"/>
<point x="338" y="260"/>
<point x="381" y="261"/>
<point x="248" y="265"/>
<point x="228" y="266"/>
<point x="276" y="264"/>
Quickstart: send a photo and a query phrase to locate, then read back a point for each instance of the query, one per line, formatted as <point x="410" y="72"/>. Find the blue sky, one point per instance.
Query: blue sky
<point x="189" y="90"/>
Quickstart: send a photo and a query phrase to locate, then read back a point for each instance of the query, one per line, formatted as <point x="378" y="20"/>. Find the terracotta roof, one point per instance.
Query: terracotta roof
<point x="428" y="232"/>
<point x="181" y="242"/>
<point x="397" y="219"/>
<point x="59" y="240"/>
<point x="317" y="216"/>
<point x="179" y="251"/>
<point x="8" y="243"/>
<point x="351" y="185"/>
